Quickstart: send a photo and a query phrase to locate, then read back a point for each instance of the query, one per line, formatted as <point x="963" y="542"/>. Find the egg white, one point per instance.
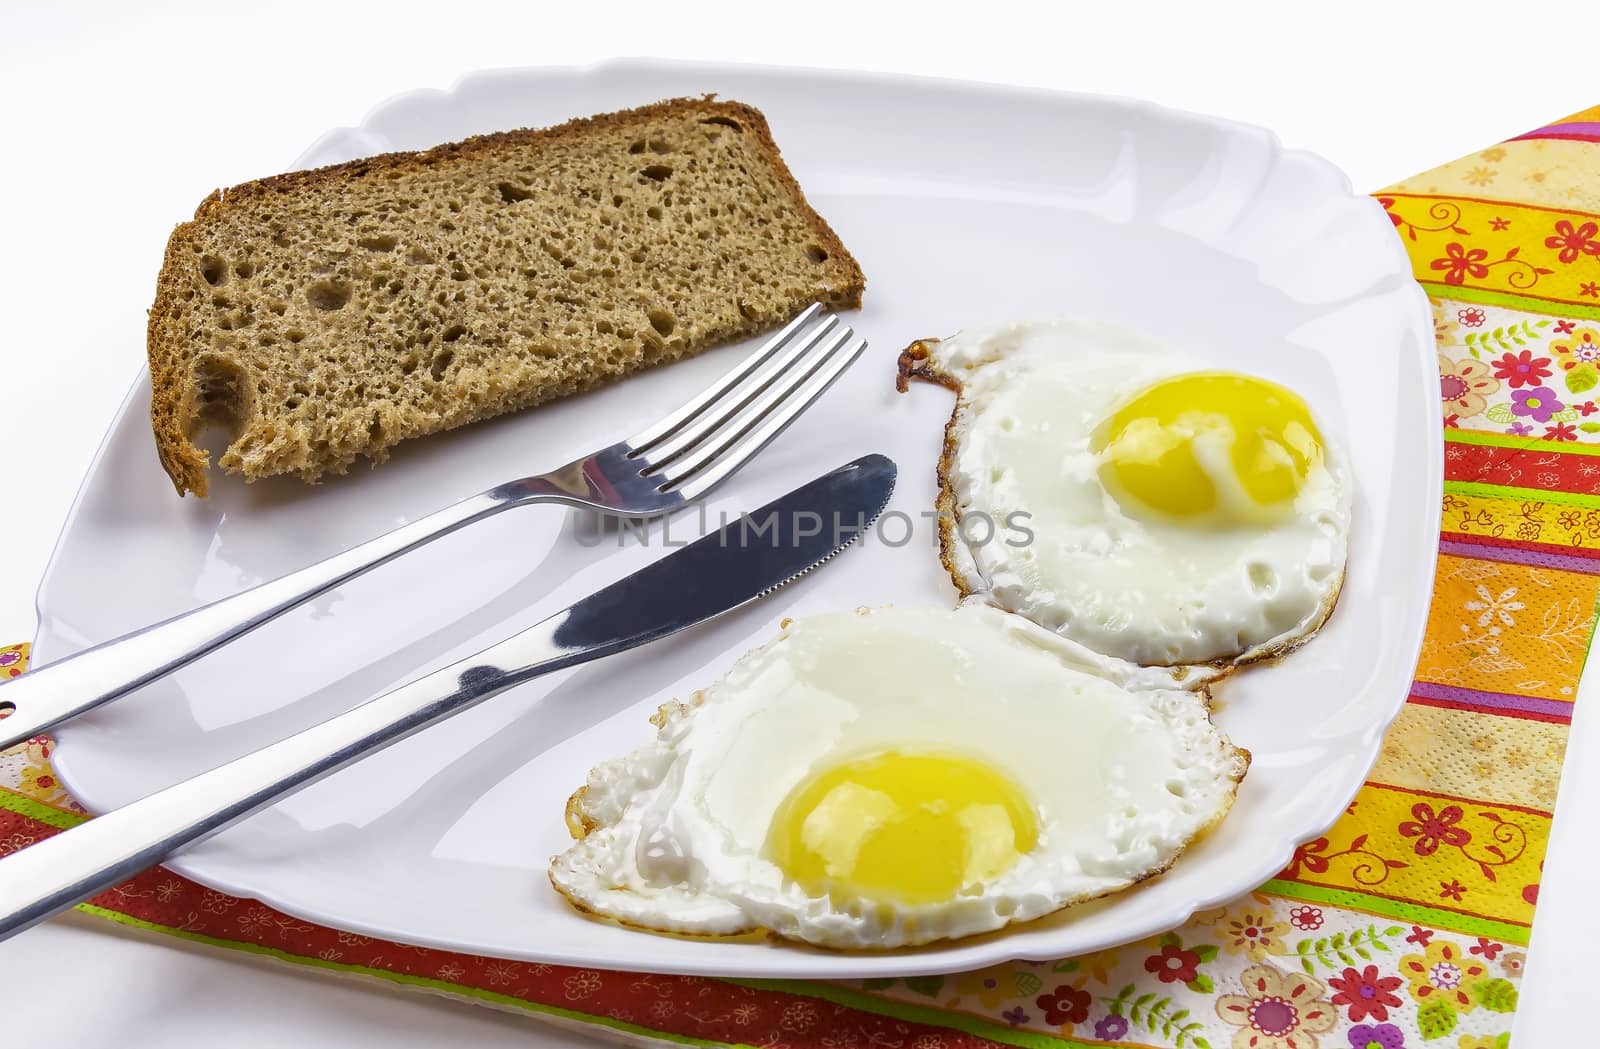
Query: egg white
<point x="1031" y="395"/>
<point x="1122" y="779"/>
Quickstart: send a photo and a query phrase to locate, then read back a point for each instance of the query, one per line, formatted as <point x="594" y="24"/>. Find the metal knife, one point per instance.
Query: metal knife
<point x="745" y="560"/>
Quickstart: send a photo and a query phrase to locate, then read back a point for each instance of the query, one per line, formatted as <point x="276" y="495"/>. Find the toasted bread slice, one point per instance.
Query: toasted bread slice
<point x="324" y="315"/>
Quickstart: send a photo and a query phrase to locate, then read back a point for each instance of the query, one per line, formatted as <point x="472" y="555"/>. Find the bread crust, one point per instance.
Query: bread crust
<point x="169" y="397"/>
<point x="175" y="414"/>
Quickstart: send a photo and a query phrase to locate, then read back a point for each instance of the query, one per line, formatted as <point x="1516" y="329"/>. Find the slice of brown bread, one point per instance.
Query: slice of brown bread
<point x="324" y="315"/>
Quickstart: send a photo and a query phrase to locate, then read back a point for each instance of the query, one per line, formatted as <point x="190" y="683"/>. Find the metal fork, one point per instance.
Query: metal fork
<point x="659" y="469"/>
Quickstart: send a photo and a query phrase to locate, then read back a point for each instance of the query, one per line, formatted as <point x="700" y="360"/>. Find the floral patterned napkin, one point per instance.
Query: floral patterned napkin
<point x="1404" y="927"/>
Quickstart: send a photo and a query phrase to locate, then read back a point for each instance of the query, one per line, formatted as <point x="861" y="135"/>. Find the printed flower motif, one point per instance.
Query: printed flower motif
<point x="990" y="986"/>
<point x="1451" y="890"/>
<point x="1065" y="1005"/>
<point x="15" y="843"/>
<point x="1306" y="919"/>
<point x="1590" y="288"/>
<point x="169" y="890"/>
<point x="1253" y="935"/>
<point x="1441" y="973"/>
<point x="1366" y="993"/>
<point x="1278" y="1010"/>
<point x="1538" y="404"/>
<point x="1431" y="830"/>
<point x="1480" y="175"/>
<point x="1574" y="241"/>
<point x="216" y="902"/>
<point x="1388" y="208"/>
<point x="501" y="973"/>
<point x="1377" y="1036"/>
<point x="10" y="658"/>
<point x="800" y="1017"/>
<point x="1492" y="608"/>
<point x="1578" y="348"/>
<point x="580" y="985"/>
<point x="1306" y="856"/>
<point x="1419" y="936"/>
<point x="1471" y="316"/>
<point x="1513" y="962"/>
<point x="37" y="750"/>
<point x="1522" y="369"/>
<point x="1486" y="948"/>
<point x="1099" y="965"/>
<point x="1459" y="263"/>
<point x="1497" y="224"/>
<point x="256" y="921"/>
<point x="1173" y="964"/>
<point x="1519" y="430"/>
<point x="1110" y="1028"/>
<point x="1465" y="386"/>
<point x="38" y="780"/>
<point x="1559" y="432"/>
<point x="1016" y="1016"/>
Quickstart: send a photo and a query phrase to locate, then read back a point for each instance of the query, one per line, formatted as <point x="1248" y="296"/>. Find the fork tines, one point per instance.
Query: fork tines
<point x="700" y="444"/>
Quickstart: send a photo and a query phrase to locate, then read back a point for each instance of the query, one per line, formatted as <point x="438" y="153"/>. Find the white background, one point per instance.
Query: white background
<point x="118" y="118"/>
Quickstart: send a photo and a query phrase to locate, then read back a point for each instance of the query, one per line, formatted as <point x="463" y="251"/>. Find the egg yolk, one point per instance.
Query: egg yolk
<point x="901" y="828"/>
<point x="1210" y="448"/>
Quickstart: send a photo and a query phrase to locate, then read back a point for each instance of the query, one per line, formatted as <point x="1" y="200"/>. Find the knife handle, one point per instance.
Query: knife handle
<point x="49" y="695"/>
<point x="76" y="864"/>
<point x="713" y="575"/>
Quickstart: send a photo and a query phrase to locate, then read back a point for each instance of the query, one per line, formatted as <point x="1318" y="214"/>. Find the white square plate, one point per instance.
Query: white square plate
<point x="966" y="205"/>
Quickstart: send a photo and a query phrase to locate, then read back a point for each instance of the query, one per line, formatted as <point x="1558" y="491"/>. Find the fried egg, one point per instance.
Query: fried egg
<point x="1135" y="499"/>
<point x="892" y="777"/>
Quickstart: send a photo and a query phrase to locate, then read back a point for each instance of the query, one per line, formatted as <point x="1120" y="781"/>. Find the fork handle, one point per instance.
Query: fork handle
<point x="82" y="862"/>
<point x="51" y="694"/>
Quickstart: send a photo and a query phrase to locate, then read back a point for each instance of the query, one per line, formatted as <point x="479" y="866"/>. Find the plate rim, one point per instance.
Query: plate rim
<point x="840" y="966"/>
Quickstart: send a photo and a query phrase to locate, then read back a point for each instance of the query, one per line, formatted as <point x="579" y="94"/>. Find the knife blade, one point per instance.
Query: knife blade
<point x="744" y="560"/>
